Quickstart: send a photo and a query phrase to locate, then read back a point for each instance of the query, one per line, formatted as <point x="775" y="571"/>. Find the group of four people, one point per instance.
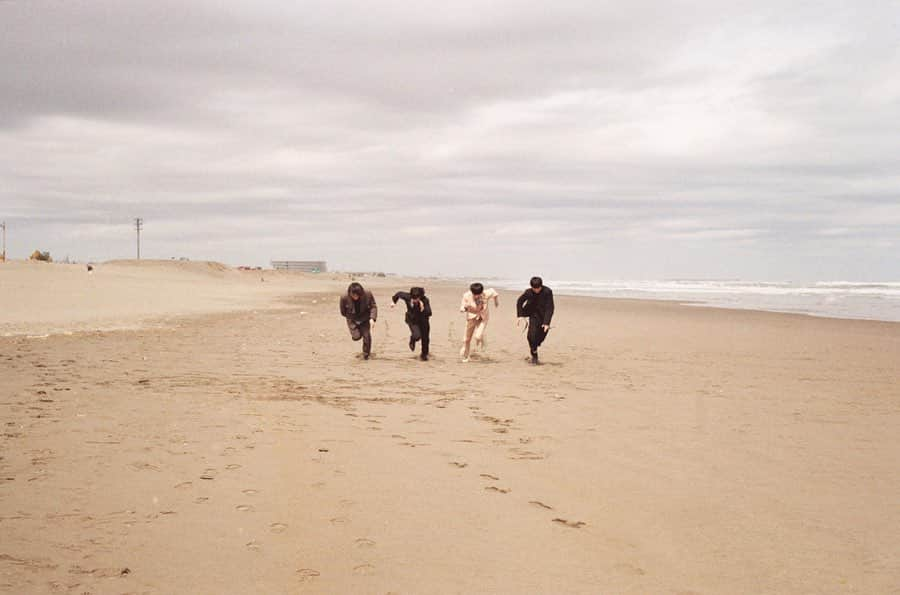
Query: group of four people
<point x="535" y="306"/>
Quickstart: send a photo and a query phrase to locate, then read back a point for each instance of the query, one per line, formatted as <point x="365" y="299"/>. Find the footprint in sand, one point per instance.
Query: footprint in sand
<point x="250" y="492"/>
<point x="496" y="489"/>
<point x="278" y="527"/>
<point x="244" y="508"/>
<point x="253" y="545"/>
<point x="540" y="504"/>
<point x="209" y="474"/>
<point x="232" y="466"/>
<point x="630" y="569"/>
<point x="524" y="455"/>
<point x="364" y="542"/>
<point x="338" y="520"/>
<point x="489" y="476"/>
<point x="364" y="569"/>
<point x="307" y="574"/>
<point x="200" y="500"/>
<point x="184" y="484"/>
<point x="572" y="524"/>
<point x="458" y="464"/>
<point x="100" y="572"/>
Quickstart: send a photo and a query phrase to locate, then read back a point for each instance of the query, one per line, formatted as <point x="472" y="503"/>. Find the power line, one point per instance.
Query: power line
<point x="139" y="225"/>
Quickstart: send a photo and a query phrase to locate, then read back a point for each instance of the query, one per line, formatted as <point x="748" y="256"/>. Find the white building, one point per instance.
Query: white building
<point x="303" y="266"/>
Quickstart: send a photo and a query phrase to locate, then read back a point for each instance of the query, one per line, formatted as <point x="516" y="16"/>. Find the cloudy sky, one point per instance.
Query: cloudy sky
<point x="577" y="139"/>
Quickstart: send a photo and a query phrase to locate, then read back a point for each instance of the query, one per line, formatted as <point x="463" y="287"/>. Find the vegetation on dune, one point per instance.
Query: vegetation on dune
<point x="42" y="256"/>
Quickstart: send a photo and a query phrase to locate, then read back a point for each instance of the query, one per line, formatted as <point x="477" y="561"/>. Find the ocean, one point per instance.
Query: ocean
<point x="834" y="299"/>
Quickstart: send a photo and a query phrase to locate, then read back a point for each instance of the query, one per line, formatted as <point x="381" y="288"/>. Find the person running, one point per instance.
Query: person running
<point x="361" y="312"/>
<point x="418" y="312"/>
<point x="536" y="304"/>
<point x="475" y="305"/>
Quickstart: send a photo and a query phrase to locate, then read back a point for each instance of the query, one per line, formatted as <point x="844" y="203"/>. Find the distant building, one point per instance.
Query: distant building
<point x="302" y="266"/>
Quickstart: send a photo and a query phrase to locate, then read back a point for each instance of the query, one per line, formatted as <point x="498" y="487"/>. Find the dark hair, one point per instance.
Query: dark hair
<point x="476" y="288"/>
<point x="355" y="288"/>
<point x="416" y="292"/>
<point x="537" y="282"/>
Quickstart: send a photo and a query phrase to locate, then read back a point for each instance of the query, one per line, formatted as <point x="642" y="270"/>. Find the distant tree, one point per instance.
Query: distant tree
<point x="42" y="256"/>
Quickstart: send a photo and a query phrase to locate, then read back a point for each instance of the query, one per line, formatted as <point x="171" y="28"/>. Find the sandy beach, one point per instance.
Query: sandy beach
<point x="189" y="428"/>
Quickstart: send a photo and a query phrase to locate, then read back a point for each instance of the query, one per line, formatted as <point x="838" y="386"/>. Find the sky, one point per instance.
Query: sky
<point x="572" y="139"/>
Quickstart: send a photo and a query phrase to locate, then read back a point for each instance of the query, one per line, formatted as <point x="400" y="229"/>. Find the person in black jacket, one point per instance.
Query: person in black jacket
<point x="418" y="312"/>
<point x="536" y="304"/>
<point x="361" y="312"/>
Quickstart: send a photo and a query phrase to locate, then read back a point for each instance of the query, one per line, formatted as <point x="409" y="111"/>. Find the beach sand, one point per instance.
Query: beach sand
<point x="228" y="439"/>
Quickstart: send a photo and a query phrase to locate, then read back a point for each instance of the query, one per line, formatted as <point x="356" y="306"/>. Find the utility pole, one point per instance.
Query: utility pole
<point x="139" y="225"/>
<point x="3" y="254"/>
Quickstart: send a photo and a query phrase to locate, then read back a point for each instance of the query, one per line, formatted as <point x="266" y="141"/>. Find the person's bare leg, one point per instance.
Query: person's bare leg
<point x="479" y="336"/>
<point x="467" y="340"/>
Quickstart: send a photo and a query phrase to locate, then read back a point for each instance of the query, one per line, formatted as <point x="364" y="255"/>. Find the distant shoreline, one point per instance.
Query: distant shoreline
<point x="876" y="301"/>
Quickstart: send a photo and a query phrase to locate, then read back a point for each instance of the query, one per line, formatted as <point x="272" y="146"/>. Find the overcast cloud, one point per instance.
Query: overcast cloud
<point x="755" y="140"/>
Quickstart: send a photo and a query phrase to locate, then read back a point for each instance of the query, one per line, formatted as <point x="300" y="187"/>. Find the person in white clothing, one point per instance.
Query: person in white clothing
<point x="475" y="304"/>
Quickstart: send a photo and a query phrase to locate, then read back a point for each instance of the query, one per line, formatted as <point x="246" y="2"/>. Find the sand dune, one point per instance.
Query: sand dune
<point x="39" y="298"/>
<point x="660" y="449"/>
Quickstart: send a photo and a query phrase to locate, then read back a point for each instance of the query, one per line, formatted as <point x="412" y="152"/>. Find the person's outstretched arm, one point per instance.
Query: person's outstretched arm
<point x="520" y="304"/>
<point x="491" y="294"/>
<point x="464" y="305"/>
<point x="373" y="308"/>
<point x="548" y="311"/>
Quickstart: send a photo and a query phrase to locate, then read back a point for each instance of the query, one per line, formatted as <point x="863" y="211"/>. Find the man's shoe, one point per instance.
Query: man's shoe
<point x="423" y="357"/>
<point x="412" y="344"/>
<point x="365" y="356"/>
<point x="534" y="358"/>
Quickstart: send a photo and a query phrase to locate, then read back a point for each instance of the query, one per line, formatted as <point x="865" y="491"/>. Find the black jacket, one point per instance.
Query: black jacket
<point x="536" y="305"/>
<point x="414" y="314"/>
<point x="368" y="310"/>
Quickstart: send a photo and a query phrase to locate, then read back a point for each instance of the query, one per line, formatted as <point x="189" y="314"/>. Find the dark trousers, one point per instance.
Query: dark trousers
<point x="421" y="331"/>
<point x="536" y="333"/>
<point x="361" y="330"/>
